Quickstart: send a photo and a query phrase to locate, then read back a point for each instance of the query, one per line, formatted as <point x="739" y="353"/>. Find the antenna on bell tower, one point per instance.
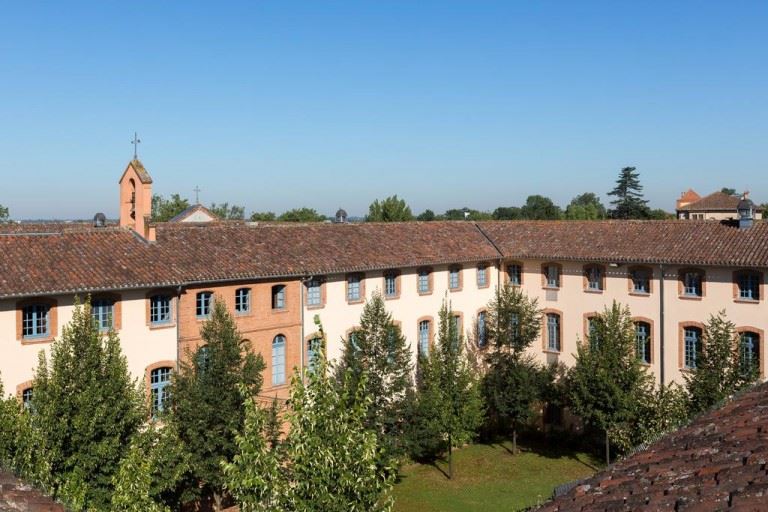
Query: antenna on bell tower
<point x="136" y="141"/>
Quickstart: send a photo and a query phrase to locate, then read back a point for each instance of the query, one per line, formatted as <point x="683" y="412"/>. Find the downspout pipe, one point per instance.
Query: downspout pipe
<point x="662" y="379"/>
<point x="179" y="289"/>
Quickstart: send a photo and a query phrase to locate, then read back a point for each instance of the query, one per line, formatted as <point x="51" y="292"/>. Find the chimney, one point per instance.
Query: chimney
<point x="746" y="211"/>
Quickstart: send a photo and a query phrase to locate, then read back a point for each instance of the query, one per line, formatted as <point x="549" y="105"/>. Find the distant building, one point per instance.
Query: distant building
<point x="341" y="216"/>
<point x="195" y="213"/>
<point x="715" y="206"/>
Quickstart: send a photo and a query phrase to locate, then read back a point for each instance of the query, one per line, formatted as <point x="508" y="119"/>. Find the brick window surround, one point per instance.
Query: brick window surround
<point x="321" y="282"/>
<point x="117" y="310"/>
<point x="361" y="280"/>
<point x="681" y="283"/>
<point x="545" y="275"/>
<point x="761" y="349"/>
<point x="521" y="268"/>
<point x="588" y="269"/>
<point x="483" y="268"/>
<point x="681" y="341"/>
<point x="651" y="330"/>
<point x="456" y="269"/>
<point x="640" y="270"/>
<point x="738" y="275"/>
<point x="396" y="275"/>
<point x="545" y="331"/>
<point x="430" y="277"/>
<point x="148" y="301"/>
<point x="52" y="320"/>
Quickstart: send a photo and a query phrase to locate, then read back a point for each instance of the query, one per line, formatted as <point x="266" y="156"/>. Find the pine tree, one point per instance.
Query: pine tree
<point x="629" y="202"/>
<point x="448" y="408"/>
<point x="329" y="461"/>
<point x="379" y="351"/>
<point x="86" y="409"/>
<point x="510" y="385"/>
<point x="719" y="371"/>
<point x="607" y="384"/>
<point x="207" y="405"/>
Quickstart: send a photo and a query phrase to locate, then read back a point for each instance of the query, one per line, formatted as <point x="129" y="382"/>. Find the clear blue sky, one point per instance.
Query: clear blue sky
<point x="279" y="104"/>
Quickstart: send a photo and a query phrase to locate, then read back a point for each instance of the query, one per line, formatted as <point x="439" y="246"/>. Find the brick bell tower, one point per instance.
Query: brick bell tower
<point x="136" y="199"/>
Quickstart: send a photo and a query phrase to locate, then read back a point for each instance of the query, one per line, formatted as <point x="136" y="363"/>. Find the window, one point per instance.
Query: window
<point x="424" y="331"/>
<point x="592" y="333"/>
<point x="314" y="292"/>
<point x="691" y="346"/>
<point x="102" y="312"/>
<point x="594" y="275"/>
<point x="353" y="288"/>
<point x="456" y="328"/>
<point x="278" y="360"/>
<point x="552" y="276"/>
<point x="390" y="284"/>
<point x="749" y="352"/>
<point x="514" y="325"/>
<point x="35" y="321"/>
<point x="553" y="332"/>
<point x="454" y="278"/>
<point x="515" y="273"/>
<point x="278" y="296"/>
<point x="313" y="350"/>
<point x="748" y="285"/>
<point x="242" y="300"/>
<point x="692" y="283"/>
<point x="482" y="276"/>
<point x="482" y="338"/>
<point x="641" y="281"/>
<point x="26" y="398"/>
<point x="203" y="307"/>
<point x="159" y="309"/>
<point x="159" y="380"/>
<point x="203" y="358"/>
<point x="424" y="281"/>
<point x="643" y="341"/>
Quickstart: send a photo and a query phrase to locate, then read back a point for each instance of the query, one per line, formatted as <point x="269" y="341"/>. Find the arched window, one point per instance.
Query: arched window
<point x="482" y="338"/>
<point x="749" y="352"/>
<point x="691" y="346"/>
<point x="553" y="332"/>
<point x="278" y="360"/>
<point x="313" y="349"/>
<point x="102" y="311"/>
<point x="26" y="398"/>
<point x="593" y="334"/>
<point x="159" y="379"/>
<point x="643" y="341"/>
<point x="424" y="331"/>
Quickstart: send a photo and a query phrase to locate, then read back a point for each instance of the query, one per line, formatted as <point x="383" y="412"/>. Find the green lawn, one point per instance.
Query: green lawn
<point x="488" y="477"/>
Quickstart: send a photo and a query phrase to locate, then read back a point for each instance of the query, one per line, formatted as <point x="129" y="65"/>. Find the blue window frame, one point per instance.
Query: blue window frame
<point x="553" y="332"/>
<point x="243" y="300"/>
<point x="482" y="276"/>
<point x="203" y="358"/>
<point x="692" y="346"/>
<point x="203" y="305"/>
<point x="313" y="349"/>
<point x="390" y="284"/>
<point x="592" y="333"/>
<point x="515" y="273"/>
<point x="424" y="281"/>
<point x="353" y="288"/>
<point x="26" y="398"/>
<point x="102" y="312"/>
<point x="749" y="285"/>
<point x="482" y="338"/>
<point x="424" y="332"/>
<point x="552" y="276"/>
<point x="454" y="278"/>
<point x="594" y="278"/>
<point x="692" y="284"/>
<point x="641" y="282"/>
<point x="314" y="292"/>
<point x="159" y="309"/>
<point x="159" y="380"/>
<point x="643" y="342"/>
<point x="35" y="321"/>
<point x="278" y="360"/>
<point x="749" y="351"/>
<point x="278" y="296"/>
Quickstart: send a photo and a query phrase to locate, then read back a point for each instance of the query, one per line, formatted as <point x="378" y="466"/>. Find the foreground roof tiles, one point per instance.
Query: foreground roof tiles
<point x="718" y="462"/>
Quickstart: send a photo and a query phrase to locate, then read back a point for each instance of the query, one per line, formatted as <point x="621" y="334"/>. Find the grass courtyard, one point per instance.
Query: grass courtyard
<point x="488" y="477"/>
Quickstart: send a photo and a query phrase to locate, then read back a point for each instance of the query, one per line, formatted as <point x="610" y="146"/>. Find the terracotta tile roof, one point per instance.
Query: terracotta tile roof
<point x="689" y="196"/>
<point x="685" y="242"/>
<point x="717" y="201"/>
<point x="718" y="462"/>
<point x="15" y="495"/>
<point x="144" y="176"/>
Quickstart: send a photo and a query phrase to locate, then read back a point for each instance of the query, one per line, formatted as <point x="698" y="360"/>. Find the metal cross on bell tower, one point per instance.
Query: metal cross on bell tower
<point x="197" y="194"/>
<point x="136" y="141"/>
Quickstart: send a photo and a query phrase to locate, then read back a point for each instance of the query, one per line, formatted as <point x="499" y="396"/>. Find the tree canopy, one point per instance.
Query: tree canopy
<point x="263" y="216"/>
<point x="164" y="209"/>
<point x="538" y="207"/>
<point x="390" y="209"/>
<point x="301" y="215"/>
<point x="586" y="206"/>
<point x="4" y="214"/>
<point x="629" y="202"/>
<point x="226" y="212"/>
<point x="426" y="215"/>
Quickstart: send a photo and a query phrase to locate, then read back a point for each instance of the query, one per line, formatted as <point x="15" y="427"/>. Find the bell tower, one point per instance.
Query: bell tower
<point x="136" y="199"/>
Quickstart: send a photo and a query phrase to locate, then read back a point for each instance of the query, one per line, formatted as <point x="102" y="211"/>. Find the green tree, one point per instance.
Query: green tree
<point x="659" y="214"/>
<point x="665" y="410"/>
<point x="4" y="214"/>
<point x="507" y="213"/>
<point x="390" y="209"/>
<point x="510" y="386"/>
<point x="9" y="410"/>
<point x="379" y="353"/>
<point x="301" y="215"/>
<point x="329" y="460"/>
<point x="448" y="408"/>
<point x="465" y="214"/>
<point x="729" y="191"/>
<point x="586" y="206"/>
<point x="720" y="370"/>
<point x="607" y="383"/>
<point x="538" y="207"/>
<point x="164" y="210"/>
<point x="226" y="212"/>
<point x="82" y="435"/>
<point x="208" y="407"/>
<point x="629" y="202"/>
<point x="426" y="216"/>
<point x="263" y="216"/>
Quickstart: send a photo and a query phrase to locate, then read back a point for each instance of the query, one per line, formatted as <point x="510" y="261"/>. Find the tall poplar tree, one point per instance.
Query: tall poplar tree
<point x="629" y="202"/>
<point x="208" y="404"/>
<point x="378" y="351"/>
